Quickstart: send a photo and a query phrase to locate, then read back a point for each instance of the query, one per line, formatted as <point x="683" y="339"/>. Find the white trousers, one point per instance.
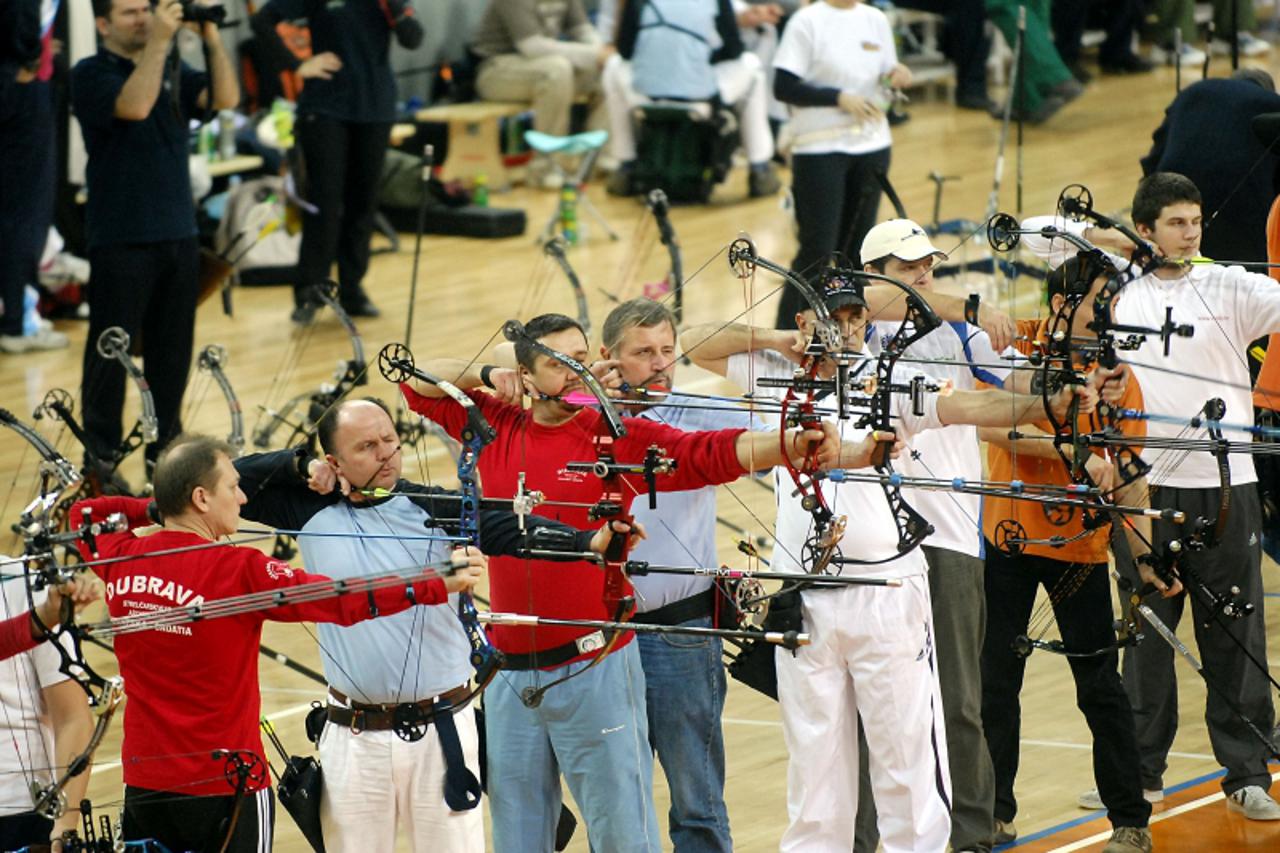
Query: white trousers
<point x="872" y="654"/>
<point x="742" y="86"/>
<point x="375" y="782"/>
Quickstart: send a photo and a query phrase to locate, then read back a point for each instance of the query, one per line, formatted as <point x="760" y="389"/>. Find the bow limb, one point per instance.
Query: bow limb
<point x="396" y="364"/>
<point x="555" y="249"/>
<point x="656" y="202"/>
<point x="212" y="360"/>
<point x="113" y="344"/>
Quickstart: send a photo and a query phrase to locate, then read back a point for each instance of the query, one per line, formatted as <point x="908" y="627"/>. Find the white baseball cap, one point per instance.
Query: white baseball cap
<point x="902" y="238"/>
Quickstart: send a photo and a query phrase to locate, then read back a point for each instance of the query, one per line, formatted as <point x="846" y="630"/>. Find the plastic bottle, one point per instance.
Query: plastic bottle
<point x="480" y="190"/>
<point x="569" y="214"/>
<point x="226" y="134"/>
<point x="205" y="142"/>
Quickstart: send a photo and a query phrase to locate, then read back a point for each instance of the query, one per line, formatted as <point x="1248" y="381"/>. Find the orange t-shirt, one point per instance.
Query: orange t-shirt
<point x="1266" y="391"/>
<point x="1034" y="517"/>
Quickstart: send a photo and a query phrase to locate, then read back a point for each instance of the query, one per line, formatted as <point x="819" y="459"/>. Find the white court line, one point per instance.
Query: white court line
<point x="278" y="715"/>
<point x="1057" y="744"/>
<point x="1165" y="815"/>
<point x="1054" y="744"/>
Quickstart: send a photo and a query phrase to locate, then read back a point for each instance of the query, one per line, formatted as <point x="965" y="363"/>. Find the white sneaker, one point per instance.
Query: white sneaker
<point x="44" y="339"/>
<point x="1092" y="801"/>
<point x="1189" y="55"/>
<point x="1254" y="803"/>
<point x="1250" y="45"/>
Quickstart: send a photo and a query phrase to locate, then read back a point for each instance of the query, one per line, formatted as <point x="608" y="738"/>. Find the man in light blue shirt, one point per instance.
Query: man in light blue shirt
<point x="684" y="676"/>
<point x="374" y="779"/>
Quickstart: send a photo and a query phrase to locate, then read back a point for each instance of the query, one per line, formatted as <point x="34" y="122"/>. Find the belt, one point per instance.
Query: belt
<point x="559" y="655"/>
<point x="678" y="612"/>
<point x="360" y="717"/>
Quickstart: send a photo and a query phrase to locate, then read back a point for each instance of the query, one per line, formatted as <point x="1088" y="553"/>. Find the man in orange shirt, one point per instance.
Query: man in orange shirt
<point x="1073" y="570"/>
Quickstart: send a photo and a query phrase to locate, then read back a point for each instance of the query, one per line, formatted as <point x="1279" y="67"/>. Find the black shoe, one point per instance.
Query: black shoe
<point x="1079" y="72"/>
<point x="1129" y="63"/>
<point x="621" y="182"/>
<point x="763" y="181"/>
<point x="1041" y="114"/>
<point x="1068" y="90"/>
<point x="974" y="101"/>
<point x="304" y="314"/>
<point x="360" y="306"/>
<point x="897" y="117"/>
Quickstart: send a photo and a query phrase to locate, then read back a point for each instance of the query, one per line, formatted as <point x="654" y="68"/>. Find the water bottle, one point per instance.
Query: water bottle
<point x="569" y="214"/>
<point x="226" y="134"/>
<point x="480" y="190"/>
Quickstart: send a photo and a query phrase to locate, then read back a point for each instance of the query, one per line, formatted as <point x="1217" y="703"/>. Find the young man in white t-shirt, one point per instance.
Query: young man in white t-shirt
<point x="873" y="649"/>
<point x="1228" y="307"/>
<point x="836" y="67"/>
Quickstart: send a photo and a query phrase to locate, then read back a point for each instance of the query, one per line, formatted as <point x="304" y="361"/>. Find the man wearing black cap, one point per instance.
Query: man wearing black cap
<point x="873" y="650"/>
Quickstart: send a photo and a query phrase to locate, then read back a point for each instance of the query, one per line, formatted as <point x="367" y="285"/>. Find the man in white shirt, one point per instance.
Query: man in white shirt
<point x="46" y="723"/>
<point x="873" y="650"/>
<point x="962" y="354"/>
<point x="1228" y="307"/>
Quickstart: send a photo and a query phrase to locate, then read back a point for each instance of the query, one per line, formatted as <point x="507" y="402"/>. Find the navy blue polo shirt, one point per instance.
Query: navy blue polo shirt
<point x="138" y="178"/>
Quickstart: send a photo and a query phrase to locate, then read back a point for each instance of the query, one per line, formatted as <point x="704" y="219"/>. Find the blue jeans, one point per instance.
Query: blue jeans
<point x="684" y="691"/>
<point x="593" y="730"/>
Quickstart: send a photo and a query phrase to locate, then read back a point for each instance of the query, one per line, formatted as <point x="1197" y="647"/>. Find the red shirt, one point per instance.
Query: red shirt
<point x="568" y="590"/>
<point x="15" y="635"/>
<point x="193" y="688"/>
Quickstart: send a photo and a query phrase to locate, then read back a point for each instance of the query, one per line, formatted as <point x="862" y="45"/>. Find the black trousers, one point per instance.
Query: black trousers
<point x="837" y="198"/>
<point x="343" y="174"/>
<point x="24" y="830"/>
<point x="26" y="190"/>
<point x="1150" y="675"/>
<point x="1119" y="18"/>
<point x="199" y="824"/>
<point x="965" y="40"/>
<point x="149" y="290"/>
<point x="1085" y="621"/>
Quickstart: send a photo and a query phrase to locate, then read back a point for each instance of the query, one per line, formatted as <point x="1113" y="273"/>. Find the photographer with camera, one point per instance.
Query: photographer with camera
<point x="134" y="99"/>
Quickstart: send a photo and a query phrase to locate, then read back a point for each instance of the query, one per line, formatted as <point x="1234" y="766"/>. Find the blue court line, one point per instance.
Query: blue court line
<point x="1102" y="813"/>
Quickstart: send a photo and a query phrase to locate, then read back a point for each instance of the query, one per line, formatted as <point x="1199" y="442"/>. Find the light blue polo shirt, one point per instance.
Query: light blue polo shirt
<point x="682" y="530"/>
<point x="411" y="655"/>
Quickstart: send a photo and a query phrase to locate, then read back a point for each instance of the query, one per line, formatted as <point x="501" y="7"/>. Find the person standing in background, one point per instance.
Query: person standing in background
<point x="345" y="113"/>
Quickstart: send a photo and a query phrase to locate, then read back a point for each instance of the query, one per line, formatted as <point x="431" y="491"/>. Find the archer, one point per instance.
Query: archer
<point x="592" y="724"/>
<point x="193" y="688"/>
<point x="875" y="653"/>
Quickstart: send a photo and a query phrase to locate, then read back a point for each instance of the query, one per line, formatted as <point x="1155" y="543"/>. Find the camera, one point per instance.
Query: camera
<point x="196" y="13"/>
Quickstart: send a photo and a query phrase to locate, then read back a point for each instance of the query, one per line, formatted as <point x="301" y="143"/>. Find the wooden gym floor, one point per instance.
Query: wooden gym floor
<point x="467" y="288"/>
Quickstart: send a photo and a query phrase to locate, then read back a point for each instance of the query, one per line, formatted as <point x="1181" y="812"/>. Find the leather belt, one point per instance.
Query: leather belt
<point x="360" y="717"/>
<point x="679" y="612"/>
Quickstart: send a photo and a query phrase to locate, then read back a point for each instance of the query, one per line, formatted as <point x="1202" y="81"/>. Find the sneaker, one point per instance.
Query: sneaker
<point x="763" y="181"/>
<point x="1250" y="45"/>
<point x="974" y="101"/>
<point x="1129" y="839"/>
<point x="358" y="304"/>
<point x="1005" y="832"/>
<point x="1254" y="803"/>
<point x="1092" y="801"/>
<point x="1188" y="55"/>
<point x="43" y="339"/>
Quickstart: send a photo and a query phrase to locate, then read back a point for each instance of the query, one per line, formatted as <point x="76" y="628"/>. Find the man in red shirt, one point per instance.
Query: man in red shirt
<point x="192" y="717"/>
<point x="592" y="728"/>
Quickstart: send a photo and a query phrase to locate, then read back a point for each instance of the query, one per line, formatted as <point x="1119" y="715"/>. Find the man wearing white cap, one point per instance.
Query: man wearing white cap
<point x="872" y="653"/>
<point x="963" y="354"/>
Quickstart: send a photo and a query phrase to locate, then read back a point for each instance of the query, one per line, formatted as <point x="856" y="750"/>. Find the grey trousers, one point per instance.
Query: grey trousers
<point x="1148" y="671"/>
<point x="959" y="624"/>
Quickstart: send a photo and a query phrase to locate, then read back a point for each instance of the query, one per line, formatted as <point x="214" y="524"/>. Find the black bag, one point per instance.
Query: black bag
<point x="755" y="666"/>
<point x="682" y="150"/>
<point x="302" y="782"/>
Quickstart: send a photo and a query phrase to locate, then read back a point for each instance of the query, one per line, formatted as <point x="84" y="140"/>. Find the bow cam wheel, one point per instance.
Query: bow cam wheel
<point x="1010" y="537"/>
